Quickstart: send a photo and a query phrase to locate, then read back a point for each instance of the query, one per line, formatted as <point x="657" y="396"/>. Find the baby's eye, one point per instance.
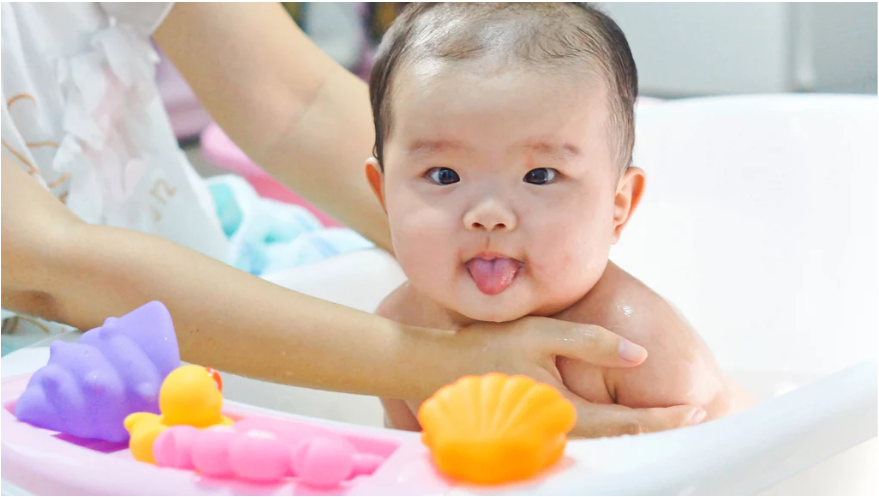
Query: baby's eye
<point x="541" y="176"/>
<point x="443" y="176"/>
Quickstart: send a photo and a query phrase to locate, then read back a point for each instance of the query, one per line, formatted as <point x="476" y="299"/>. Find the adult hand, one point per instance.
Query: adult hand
<point x="530" y="346"/>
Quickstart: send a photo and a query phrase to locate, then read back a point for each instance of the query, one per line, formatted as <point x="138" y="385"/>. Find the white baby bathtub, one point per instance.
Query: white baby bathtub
<point x="759" y="223"/>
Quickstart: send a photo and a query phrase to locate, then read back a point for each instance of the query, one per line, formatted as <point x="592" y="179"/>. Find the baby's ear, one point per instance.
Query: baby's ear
<point x="629" y="191"/>
<point x="376" y="180"/>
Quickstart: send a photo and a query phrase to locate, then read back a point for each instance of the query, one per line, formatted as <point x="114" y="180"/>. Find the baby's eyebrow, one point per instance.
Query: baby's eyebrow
<point x="433" y="146"/>
<point x="565" y="150"/>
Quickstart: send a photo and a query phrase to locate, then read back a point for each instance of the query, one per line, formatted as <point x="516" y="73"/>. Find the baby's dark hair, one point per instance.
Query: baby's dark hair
<point x="549" y="37"/>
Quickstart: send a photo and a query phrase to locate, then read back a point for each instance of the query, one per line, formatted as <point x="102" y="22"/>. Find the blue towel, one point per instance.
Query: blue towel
<point x="267" y="236"/>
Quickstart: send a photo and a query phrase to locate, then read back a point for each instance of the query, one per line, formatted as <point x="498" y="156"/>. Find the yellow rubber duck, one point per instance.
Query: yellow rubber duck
<point x="190" y="395"/>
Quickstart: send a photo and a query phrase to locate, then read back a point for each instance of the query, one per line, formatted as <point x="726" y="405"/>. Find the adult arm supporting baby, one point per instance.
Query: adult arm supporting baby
<point x="292" y="109"/>
<point x="60" y="268"/>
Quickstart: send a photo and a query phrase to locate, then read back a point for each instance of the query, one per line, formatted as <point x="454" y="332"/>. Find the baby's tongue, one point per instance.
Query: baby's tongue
<point x="493" y="276"/>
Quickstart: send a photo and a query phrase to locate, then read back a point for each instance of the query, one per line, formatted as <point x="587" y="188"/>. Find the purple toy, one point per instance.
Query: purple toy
<point x="88" y="388"/>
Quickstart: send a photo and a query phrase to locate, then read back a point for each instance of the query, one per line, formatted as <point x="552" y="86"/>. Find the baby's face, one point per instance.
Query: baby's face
<point x="501" y="189"/>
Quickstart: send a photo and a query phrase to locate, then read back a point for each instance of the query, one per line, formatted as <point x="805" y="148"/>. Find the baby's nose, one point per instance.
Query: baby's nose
<point x="490" y="216"/>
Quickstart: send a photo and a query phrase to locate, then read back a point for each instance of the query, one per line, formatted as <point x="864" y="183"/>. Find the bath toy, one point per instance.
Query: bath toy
<point x="264" y="450"/>
<point x="326" y="461"/>
<point x="313" y="444"/>
<point x="495" y="428"/>
<point x="189" y="396"/>
<point x="89" y="387"/>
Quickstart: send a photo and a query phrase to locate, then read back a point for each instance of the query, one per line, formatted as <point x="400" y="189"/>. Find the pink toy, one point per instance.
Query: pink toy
<point x="38" y="461"/>
<point x="265" y="450"/>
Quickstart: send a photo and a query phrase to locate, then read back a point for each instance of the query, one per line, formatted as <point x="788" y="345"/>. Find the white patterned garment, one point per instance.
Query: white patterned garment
<point x="82" y="115"/>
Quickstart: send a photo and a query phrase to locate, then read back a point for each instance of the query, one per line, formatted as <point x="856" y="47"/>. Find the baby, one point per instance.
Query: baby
<point x="504" y="136"/>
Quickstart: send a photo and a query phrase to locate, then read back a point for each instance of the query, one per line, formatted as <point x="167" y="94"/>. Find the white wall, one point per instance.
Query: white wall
<point x="706" y="48"/>
<point x="844" y="53"/>
<point x="685" y="49"/>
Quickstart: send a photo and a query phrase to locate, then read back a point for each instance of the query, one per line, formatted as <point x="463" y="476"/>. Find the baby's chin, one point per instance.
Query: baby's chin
<point x="495" y="310"/>
<point x="465" y="304"/>
<point x="491" y="314"/>
<point x="502" y="308"/>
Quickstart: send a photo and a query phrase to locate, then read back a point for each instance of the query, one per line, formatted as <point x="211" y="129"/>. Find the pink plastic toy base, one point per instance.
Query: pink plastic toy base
<point x="266" y="450"/>
<point x="40" y="461"/>
<point x="221" y="151"/>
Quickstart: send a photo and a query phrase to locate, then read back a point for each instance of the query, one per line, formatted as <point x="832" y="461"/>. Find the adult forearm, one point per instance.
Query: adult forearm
<point x="295" y="112"/>
<point x="228" y="319"/>
<point x="323" y="156"/>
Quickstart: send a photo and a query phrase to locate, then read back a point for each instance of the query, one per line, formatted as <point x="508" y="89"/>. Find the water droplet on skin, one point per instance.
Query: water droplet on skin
<point x="627" y="310"/>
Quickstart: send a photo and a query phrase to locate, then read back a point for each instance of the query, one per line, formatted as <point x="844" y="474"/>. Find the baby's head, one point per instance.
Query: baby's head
<point x="504" y="137"/>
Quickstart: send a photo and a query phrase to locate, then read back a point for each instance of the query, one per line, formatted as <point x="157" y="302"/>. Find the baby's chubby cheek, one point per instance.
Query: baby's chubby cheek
<point x="564" y="264"/>
<point x="424" y="245"/>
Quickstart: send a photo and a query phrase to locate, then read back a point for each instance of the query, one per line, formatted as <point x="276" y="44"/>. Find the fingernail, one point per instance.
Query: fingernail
<point x="698" y="416"/>
<point x="631" y="352"/>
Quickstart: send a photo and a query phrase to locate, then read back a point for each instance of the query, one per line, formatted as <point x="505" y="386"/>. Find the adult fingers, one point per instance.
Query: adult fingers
<point x="609" y="420"/>
<point x="586" y="342"/>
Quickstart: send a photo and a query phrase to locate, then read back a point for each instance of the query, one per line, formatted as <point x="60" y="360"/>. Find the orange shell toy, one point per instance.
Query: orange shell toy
<point x="495" y="428"/>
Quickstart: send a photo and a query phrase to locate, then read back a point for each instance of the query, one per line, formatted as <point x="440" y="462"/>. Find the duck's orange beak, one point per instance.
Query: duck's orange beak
<point x="216" y="376"/>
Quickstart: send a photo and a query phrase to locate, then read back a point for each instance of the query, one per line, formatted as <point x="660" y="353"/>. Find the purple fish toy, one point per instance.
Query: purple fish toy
<point x="89" y="387"/>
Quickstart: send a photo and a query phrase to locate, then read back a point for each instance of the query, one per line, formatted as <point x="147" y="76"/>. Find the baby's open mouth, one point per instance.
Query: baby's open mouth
<point x="493" y="275"/>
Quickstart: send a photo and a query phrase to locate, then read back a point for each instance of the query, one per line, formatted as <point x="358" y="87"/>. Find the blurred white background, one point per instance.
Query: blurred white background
<point x="681" y="49"/>
<point x="689" y="49"/>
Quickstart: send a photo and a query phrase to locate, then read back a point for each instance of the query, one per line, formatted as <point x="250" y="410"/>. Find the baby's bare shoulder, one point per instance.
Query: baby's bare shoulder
<point x="625" y="305"/>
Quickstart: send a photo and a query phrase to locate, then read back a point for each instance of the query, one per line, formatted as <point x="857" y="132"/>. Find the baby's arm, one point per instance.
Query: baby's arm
<point x="680" y="368"/>
<point x="399" y="416"/>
